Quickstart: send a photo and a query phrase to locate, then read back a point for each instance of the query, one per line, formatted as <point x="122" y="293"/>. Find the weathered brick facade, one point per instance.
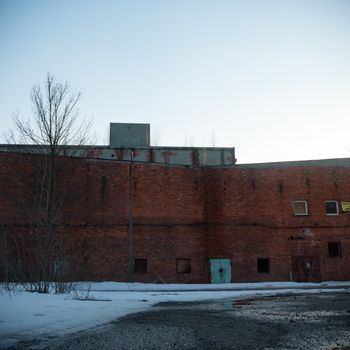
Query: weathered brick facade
<point x="241" y="213"/>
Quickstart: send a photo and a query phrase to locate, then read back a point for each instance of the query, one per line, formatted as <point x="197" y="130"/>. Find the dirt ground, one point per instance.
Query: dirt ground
<point x="309" y="321"/>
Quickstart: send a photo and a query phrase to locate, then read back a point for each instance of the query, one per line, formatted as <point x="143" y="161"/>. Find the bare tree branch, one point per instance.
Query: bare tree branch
<point x="54" y="127"/>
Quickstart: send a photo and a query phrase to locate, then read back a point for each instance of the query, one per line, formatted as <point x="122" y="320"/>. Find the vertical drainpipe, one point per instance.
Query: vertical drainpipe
<point x="130" y="220"/>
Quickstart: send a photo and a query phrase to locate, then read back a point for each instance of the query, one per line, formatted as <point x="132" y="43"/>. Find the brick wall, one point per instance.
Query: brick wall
<point x="235" y="213"/>
<point x="251" y="216"/>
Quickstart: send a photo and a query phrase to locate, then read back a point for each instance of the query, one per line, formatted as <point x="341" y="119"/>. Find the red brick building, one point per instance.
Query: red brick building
<point x="197" y="222"/>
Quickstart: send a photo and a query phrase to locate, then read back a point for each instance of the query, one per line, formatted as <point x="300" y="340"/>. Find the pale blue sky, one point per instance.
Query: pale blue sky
<point x="271" y="78"/>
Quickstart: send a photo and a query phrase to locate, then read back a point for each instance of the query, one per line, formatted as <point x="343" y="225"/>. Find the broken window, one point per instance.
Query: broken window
<point x="263" y="265"/>
<point x="334" y="249"/>
<point x="140" y="265"/>
<point x="300" y="208"/>
<point x="60" y="266"/>
<point x="183" y="265"/>
<point x="331" y="207"/>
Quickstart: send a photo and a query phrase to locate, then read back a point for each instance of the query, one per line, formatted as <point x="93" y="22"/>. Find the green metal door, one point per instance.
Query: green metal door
<point x="220" y="270"/>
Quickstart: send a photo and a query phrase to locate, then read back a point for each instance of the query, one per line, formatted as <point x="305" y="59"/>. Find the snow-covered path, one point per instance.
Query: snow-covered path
<point x="31" y="315"/>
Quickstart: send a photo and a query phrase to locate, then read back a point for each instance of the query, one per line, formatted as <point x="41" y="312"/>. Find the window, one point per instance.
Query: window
<point x="263" y="265"/>
<point x="334" y="249"/>
<point x="140" y="265"/>
<point x="345" y="206"/>
<point x="300" y="208"/>
<point x="183" y="265"/>
<point x="331" y="207"/>
<point x="60" y="266"/>
<point x="15" y="268"/>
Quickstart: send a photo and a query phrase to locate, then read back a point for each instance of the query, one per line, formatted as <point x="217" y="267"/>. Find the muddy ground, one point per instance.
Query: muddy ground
<point x="310" y="321"/>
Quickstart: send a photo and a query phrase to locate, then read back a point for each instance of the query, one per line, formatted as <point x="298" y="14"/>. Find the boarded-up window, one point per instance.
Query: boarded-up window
<point x="334" y="249"/>
<point x="331" y="207"/>
<point x="263" y="265"/>
<point x="183" y="265"/>
<point x="300" y="208"/>
<point x="140" y="265"/>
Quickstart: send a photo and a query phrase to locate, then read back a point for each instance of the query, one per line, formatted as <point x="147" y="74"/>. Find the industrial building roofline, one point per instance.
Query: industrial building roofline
<point x="131" y="142"/>
<point x="332" y="162"/>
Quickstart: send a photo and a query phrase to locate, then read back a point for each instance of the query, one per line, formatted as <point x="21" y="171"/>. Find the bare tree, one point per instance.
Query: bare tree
<point x="54" y="130"/>
<point x="55" y="122"/>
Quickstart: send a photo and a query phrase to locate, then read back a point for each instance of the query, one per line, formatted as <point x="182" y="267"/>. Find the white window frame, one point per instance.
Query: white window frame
<point x="332" y="201"/>
<point x="306" y="208"/>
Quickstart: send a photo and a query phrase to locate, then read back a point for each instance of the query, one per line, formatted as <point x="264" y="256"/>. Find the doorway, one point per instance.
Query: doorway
<point x="306" y="268"/>
<point x="220" y="270"/>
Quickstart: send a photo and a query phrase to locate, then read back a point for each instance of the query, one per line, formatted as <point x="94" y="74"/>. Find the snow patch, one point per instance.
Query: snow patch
<point x="31" y="315"/>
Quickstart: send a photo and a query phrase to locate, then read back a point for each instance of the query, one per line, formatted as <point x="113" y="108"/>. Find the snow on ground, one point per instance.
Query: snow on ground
<point x="26" y="315"/>
<point x="121" y="286"/>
